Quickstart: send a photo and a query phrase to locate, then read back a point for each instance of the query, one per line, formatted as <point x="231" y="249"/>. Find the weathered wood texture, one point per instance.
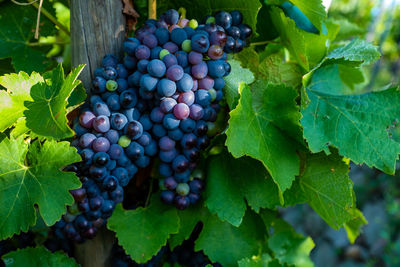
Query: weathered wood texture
<point x="97" y="29"/>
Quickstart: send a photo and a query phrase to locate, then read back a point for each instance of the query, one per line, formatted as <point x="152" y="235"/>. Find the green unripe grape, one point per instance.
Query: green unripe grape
<point x="193" y="23"/>
<point x="163" y="53"/>
<point x="111" y="85"/>
<point x="183" y="189"/>
<point x="210" y="20"/>
<point x="186" y="46"/>
<point x="124" y="141"/>
<point x="213" y="94"/>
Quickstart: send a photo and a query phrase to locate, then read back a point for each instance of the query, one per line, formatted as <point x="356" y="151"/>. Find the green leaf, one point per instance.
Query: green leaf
<point x="328" y="190"/>
<point x="232" y="181"/>
<point x="12" y="101"/>
<point x="355" y="124"/>
<point x="77" y="98"/>
<point x="17" y="28"/>
<point x="188" y="219"/>
<point x="217" y="238"/>
<point x="260" y="126"/>
<point x="289" y="247"/>
<point x="347" y="29"/>
<point x="356" y="51"/>
<point x="143" y="231"/>
<point x="46" y="114"/>
<point x="264" y="260"/>
<point x="19" y="128"/>
<point x="38" y="256"/>
<point x="307" y="48"/>
<point x="313" y="9"/>
<point x="233" y="82"/>
<point x="353" y="227"/>
<point x="33" y="177"/>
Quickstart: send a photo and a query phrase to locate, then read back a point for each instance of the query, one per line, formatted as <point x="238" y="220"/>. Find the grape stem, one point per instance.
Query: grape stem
<point x="51" y="18"/>
<point x="149" y="193"/>
<point x="263" y="43"/>
<point x="152" y="9"/>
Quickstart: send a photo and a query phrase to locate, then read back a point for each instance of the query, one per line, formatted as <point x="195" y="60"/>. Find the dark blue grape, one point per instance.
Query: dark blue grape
<point x="115" y="151"/>
<point x="150" y="40"/>
<point x="189" y="31"/>
<point x="171" y="47"/>
<point x="245" y="31"/>
<point x="171" y="16"/>
<point x="200" y="42"/>
<point x="192" y="154"/>
<point x="200" y="70"/>
<point x="175" y="73"/>
<point x="167" y="104"/>
<point x="130" y="45"/>
<point x="236" y="17"/>
<point x="182" y="58"/>
<point x="110" y="73"/>
<point x="170" y="183"/>
<point x="178" y="35"/>
<point x="148" y="83"/>
<point x="128" y="99"/>
<point x="118" y="121"/>
<point x="86" y="140"/>
<point x="182" y="202"/>
<point x="142" y="65"/>
<point x="155" y="52"/>
<point x="146" y="122"/>
<point x="122" y="85"/>
<point x="203" y="142"/>
<point x="142" y="161"/>
<point x="185" y="84"/>
<point x="223" y="19"/>
<point x="216" y="68"/>
<point x="145" y="139"/>
<point x="170" y="60"/>
<point x="151" y="149"/>
<point x="234" y="32"/>
<point x="206" y="83"/>
<point x="156" y="68"/>
<point x="158" y="130"/>
<point x="165" y="143"/>
<point x="134" y="79"/>
<point x="132" y="114"/>
<point x="134" y="150"/>
<point x="219" y="83"/>
<point x="122" y="71"/>
<point x="95" y="203"/>
<point x="101" y="124"/>
<point x="157" y="115"/>
<point x="112" y="136"/>
<point x="122" y="176"/>
<point x="187" y="125"/>
<point x="132" y="169"/>
<point x="165" y="169"/>
<point x="202" y="97"/>
<point x="142" y="52"/>
<point x="189" y="141"/>
<point x="113" y="102"/>
<point x="201" y="128"/>
<point x="166" y="87"/>
<point x="230" y="45"/>
<point x="101" y="159"/>
<point x="130" y="62"/>
<point x="162" y="35"/>
<point x="180" y="163"/>
<point x="133" y="130"/>
<point x="110" y="183"/>
<point x="170" y="122"/>
<point x="167" y="156"/>
<point x="167" y="197"/>
<point x="99" y="85"/>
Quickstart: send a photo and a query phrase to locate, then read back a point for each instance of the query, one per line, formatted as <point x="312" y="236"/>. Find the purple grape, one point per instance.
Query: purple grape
<point x="175" y="73"/>
<point x="200" y="42"/>
<point x="133" y="130"/>
<point x="195" y="58"/>
<point x="150" y="41"/>
<point x="142" y="52"/>
<point x="101" y="144"/>
<point x="86" y="119"/>
<point x="170" y="183"/>
<point x="171" y="47"/>
<point x="166" y="143"/>
<point x="200" y="70"/>
<point x="196" y="112"/>
<point x="86" y="140"/>
<point x="167" y="197"/>
<point x="187" y="98"/>
<point x="206" y="83"/>
<point x="167" y="104"/>
<point x="157" y="115"/>
<point x="218" y="38"/>
<point x="115" y="151"/>
<point x="170" y="60"/>
<point x="156" y="68"/>
<point x="101" y="124"/>
<point x="185" y="84"/>
<point x="215" y="52"/>
<point x="181" y="111"/>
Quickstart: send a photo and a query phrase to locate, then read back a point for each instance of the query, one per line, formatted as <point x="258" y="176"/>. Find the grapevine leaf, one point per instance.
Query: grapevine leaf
<point x="356" y="51"/>
<point x="307" y="48"/>
<point x="353" y="227"/>
<point x="46" y="114"/>
<point x="288" y="246"/>
<point x="19" y="128"/>
<point x="347" y="29"/>
<point x="76" y="98"/>
<point x="188" y="220"/>
<point x="260" y="126"/>
<point x="328" y="190"/>
<point x="17" y="24"/>
<point x="38" y="256"/>
<point x="41" y="183"/>
<point x="218" y="237"/>
<point x="143" y="231"/>
<point x="12" y="101"/>
<point x="231" y="181"/>
<point x="264" y="260"/>
<point x="355" y="124"/>
<point x="313" y="9"/>
<point x="237" y="76"/>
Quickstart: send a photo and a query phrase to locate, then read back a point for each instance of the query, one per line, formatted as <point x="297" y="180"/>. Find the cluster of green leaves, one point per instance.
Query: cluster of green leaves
<point x="298" y="116"/>
<point x="33" y="109"/>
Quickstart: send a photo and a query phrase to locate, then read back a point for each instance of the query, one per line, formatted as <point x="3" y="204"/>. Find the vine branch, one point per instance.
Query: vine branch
<point x="152" y="9"/>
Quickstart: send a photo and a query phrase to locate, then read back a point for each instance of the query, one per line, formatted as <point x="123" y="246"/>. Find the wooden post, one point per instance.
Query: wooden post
<point x="97" y="29"/>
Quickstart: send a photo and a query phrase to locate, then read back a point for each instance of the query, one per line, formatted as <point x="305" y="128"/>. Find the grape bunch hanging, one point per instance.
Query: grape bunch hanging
<point x="159" y="102"/>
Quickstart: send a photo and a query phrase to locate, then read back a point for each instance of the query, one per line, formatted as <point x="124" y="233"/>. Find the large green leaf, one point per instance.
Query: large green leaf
<point x="260" y="127"/>
<point x="232" y="82"/>
<point x="227" y="244"/>
<point x="264" y="260"/>
<point x="17" y="27"/>
<point x="289" y="247"/>
<point x="36" y="257"/>
<point x="33" y="177"/>
<point x="232" y="181"/>
<point x="46" y="114"/>
<point x="143" y="231"/>
<point x="12" y="100"/>
<point x="356" y="124"/>
<point x="327" y="189"/>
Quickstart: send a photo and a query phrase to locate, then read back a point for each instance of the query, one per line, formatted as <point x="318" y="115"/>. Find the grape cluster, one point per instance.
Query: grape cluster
<point x="159" y="102"/>
<point x="237" y="32"/>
